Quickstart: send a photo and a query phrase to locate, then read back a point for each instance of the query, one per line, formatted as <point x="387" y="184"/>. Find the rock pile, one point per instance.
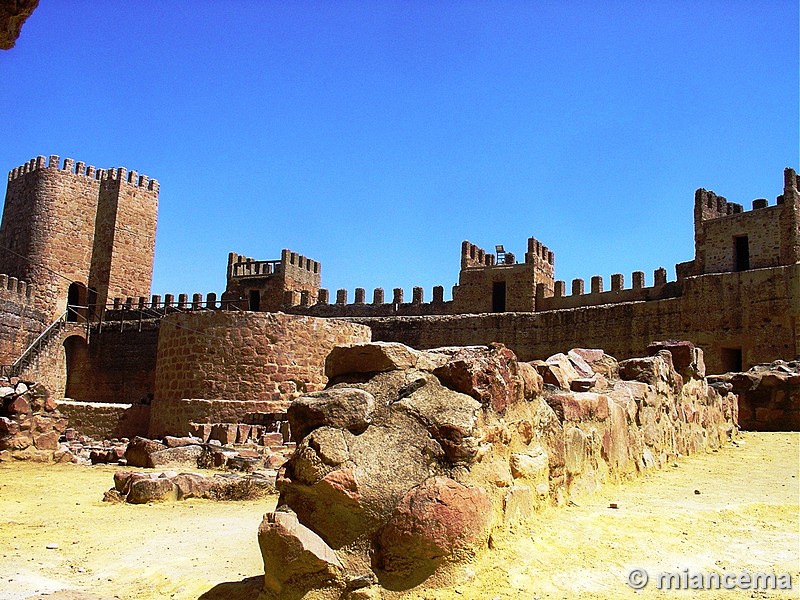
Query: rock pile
<point x="769" y="395"/>
<point x="30" y="424"/>
<point x="409" y="460"/>
<point x="143" y="488"/>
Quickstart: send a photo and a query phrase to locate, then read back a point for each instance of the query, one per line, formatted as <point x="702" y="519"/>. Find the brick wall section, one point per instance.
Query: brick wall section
<point x="116" y="367"/>
<point x="101" y="420"/>
<point x="757" y="311"/>
<point x="234" y="355"/>
<point x="175" y="416"/>
<point x="20" y="321"/>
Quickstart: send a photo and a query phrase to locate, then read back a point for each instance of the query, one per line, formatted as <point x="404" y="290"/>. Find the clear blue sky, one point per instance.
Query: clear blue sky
<point x="376" y="136"/>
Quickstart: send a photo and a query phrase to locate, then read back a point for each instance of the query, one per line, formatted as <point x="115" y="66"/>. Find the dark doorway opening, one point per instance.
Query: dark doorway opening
<point x="499" y="296"/>
<point x="742" y="249"/>
<point x="76" y="296"/>
<point x="255" y="300"/>
<point x="731" y="360"/>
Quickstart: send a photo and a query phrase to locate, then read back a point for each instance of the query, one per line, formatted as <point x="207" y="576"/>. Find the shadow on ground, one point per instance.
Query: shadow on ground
<point x="246" y="589"/>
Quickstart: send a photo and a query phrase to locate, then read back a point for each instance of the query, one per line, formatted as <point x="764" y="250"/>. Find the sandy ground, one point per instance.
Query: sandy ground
<point x="58" y="540"/>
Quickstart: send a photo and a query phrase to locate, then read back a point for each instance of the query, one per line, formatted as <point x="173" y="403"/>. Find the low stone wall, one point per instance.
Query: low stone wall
<point x="176" y="417"/>
<point x="246" y="356"/>
<point x="100" y="420"/>
<point x="410" y="460"/>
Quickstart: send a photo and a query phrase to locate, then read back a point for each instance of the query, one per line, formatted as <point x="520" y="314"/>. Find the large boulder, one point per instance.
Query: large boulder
<point x="139" y="451"/>
<point x="374" y="357"/>
<point x="434" y="521"/>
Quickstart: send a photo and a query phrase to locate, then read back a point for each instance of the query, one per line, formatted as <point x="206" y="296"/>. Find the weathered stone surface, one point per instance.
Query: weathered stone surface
<point x="46" y="441"/>
<point x="348" y="408"/>
<point x="12" y="17"/>
<point x="487" y="373"/>
<point x="187" y="455"/>
<point x="177" y="442"/>
<point x="687" y="359"/>
<point x="369" y="358"/>
<point x="450" y="417"/>
<point x="152" y="490"/>
<point x="600" y="362"/>
<point x="433" y="522"/>
<point x="295" y="558"/>
<point x="139" y="451"/>
<point x="652" y="370"/>
<point x="532" y="381"/>
<point x="19" y="406"/>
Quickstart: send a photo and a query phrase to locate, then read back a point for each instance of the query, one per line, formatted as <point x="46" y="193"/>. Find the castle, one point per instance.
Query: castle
<point x="76" y="252"/>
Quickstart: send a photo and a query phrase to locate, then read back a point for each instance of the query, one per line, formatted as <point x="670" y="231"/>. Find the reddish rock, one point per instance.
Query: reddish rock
<point x="18" y="405"/>
<point x="432" y="522"/>
<point x="488" y="374"/>
<point x="532" y="381"/>
<point x="139" y="451"/>
<point x="152" y="490"/>
<point x="579" y="406"/>
<point x="46" y="441"/>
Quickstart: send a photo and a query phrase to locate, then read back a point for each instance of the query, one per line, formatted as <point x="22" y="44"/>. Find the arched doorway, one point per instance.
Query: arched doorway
<point x="76" y="302"/>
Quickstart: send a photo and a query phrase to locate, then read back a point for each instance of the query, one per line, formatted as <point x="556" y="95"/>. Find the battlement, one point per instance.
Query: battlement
<point x="298" y="261"/>
<point x="244" y="266"/>
<point x="473" y="256"/>
<point x="597" y="294"/>
<point x="70" y="166"/>
<point x="323" y="306"/>
<point x="538" y="251"/>
<point x="156" y="302"/>
<point x="12" y="288"/>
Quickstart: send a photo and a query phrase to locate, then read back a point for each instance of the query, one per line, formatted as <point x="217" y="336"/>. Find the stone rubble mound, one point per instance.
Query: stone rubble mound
<point x="769" y="395"/>
<point x="409" y="462"/>
<point x="144" y="488"/>
<point x="30" y="424"/>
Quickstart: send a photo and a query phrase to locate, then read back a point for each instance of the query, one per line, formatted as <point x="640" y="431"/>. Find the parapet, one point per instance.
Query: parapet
<point x="12" y="288"/>
<point x="298" y="261"/>
<point x="70" y="166"/>
<point x="538" y="251"/>
<point x="473" y="256"/>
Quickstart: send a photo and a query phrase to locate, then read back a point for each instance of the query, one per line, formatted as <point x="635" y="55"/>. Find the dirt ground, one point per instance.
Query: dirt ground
<point x="732" y="511"/>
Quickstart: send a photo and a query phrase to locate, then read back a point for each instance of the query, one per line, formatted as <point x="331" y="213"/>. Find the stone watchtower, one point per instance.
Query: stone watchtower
<point x="272" y="285"/>
<point x="79" y="235"/>
<point x="728" y="239"/>
<point x="489" y="284"/>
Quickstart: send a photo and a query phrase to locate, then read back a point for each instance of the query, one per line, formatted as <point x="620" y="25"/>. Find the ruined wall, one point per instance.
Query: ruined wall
<point x="100" y="420"/>
<point x="756" y="312"/>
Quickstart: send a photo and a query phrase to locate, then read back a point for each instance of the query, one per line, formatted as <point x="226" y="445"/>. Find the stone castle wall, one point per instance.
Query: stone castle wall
<point x="757" y="311"/>
<point x="76" y="223"/>
<point x="20" y="320"/>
